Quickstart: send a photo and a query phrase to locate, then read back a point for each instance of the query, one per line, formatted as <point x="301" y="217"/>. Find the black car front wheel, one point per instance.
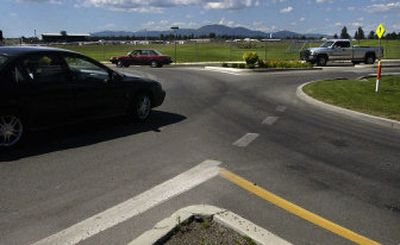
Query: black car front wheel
<point x="142" y="107"/>
<point x="11" y="130"/>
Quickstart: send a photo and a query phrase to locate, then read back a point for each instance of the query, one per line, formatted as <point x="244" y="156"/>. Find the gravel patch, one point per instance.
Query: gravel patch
<point x="205" y="231"/>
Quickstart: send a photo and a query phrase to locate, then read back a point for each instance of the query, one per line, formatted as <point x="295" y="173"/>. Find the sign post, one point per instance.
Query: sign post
<point x="380" y="30"/>
<point x="175" y="28"/>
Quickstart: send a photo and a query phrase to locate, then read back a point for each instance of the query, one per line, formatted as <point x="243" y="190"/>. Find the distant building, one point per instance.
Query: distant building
<point x="200" y="40"/>
<point x="64" y="37"/>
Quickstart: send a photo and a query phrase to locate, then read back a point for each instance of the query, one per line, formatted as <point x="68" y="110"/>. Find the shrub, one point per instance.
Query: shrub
<point x="224" y="64"/>
<point x="251" y="58"/>
<point x="286" y="64"/>
<point x="234" y="65"/>
<point x="261" y="64"/>
<point x="242" y="66"/>
<point x="251" y="66"/>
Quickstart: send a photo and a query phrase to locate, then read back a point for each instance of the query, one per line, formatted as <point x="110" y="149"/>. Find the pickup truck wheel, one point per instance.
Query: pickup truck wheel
<point x="322" y="60"/>
<point x="370" y="59"/>
<point x="154" y="64"/>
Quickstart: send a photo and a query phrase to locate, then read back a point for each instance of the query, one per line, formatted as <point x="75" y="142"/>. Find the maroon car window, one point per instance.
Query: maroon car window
<point x="136" y="52"/>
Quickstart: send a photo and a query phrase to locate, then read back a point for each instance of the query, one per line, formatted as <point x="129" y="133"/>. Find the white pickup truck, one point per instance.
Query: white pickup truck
<point x="341" y="49"/>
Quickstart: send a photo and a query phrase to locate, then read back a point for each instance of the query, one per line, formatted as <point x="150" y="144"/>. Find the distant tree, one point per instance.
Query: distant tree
<point x="1" y="36"/>
<point x="211" y="35"/>
<point x="371" y="35"/>
<point x="361" y="34"/>
<point x="335" y="36"/>
<point x="356" y="35"/>
<point x="63" y="33"/>
<point x="344" y="34"/>
<point x="392" y="36"/>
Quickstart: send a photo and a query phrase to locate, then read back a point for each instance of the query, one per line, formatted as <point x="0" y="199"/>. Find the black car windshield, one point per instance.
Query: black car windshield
<point x="3" y="60"/>
<point x="326" y="44"/>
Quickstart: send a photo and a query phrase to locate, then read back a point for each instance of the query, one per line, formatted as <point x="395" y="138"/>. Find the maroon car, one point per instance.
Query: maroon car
<point x="142" y="57"/>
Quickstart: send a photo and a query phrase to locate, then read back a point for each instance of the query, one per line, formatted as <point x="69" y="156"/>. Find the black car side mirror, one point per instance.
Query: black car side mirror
<point x="114" y="77"/>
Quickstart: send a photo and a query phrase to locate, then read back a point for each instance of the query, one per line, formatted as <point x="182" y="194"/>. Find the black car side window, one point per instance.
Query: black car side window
<point x="40" y="68"/>
<point x="85" y="70"/>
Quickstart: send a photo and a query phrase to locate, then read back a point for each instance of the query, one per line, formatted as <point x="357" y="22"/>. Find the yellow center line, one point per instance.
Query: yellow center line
<point x="296" y="210"/>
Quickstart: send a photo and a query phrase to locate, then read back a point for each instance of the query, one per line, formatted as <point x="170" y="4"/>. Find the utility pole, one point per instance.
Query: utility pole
<point x="175" y="28"/>
<point x="1" y="37"/>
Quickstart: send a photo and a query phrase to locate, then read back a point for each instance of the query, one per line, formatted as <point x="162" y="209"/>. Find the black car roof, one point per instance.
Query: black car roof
<point x="22" y="50"/>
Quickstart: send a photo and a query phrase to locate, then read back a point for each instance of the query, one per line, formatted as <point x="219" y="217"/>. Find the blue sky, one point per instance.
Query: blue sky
<point x="21" y="17"/>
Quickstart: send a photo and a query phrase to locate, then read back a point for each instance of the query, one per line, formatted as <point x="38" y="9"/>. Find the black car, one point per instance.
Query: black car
<point x="43" y="87"/>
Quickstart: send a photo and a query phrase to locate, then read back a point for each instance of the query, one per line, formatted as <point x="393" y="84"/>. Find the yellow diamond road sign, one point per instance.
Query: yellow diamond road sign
<point x="380" y="30"/>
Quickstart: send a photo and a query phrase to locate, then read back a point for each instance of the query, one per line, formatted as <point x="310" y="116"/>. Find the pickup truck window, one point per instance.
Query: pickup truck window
<point x="342" y="45"/>
<point x="326" y="44"/>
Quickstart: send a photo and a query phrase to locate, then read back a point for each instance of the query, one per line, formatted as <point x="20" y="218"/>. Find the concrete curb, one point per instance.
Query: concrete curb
<point x="374" y="75"/>
<point x="162" y="230"/>
<point x="353" y="114"/>
<point x="238" y="70"/>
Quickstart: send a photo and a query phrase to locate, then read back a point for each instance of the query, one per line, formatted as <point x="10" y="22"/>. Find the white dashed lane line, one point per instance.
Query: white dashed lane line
<point x="246" y="140"/>
<point x="270" y="120"/>
<point x="281" y="108"/>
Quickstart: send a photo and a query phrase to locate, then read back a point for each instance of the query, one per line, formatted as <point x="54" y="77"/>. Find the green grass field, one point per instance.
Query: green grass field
<point x="360" y="95"/>
<point x="284" y="50"/>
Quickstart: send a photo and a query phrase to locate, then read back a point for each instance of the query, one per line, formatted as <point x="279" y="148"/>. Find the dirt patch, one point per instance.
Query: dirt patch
<point x="205" y="231"/>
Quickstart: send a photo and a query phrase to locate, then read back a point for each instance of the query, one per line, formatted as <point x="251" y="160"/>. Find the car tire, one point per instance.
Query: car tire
<point x="154" y="64"/>
<point x="141" y="108"/>
<point x="120" y="64"/>
<point x="11" y="130"/>
<point x="370" y="59"/>
<point x="322" y="60"/>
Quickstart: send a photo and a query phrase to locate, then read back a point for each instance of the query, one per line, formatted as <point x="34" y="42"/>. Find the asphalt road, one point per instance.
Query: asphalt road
<point x="345" y="170"/>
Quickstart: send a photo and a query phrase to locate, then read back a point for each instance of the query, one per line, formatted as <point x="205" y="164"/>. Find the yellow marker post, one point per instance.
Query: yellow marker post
<point x="380" y="30"/>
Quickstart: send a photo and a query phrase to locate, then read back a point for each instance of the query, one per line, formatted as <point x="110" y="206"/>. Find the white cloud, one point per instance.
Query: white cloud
<point x="383" y="7"/>
<point x="324" y="1"/>
<point x="159" y="5"/>
<point x="286" y="10"/>
<point x="163" y="25"/>
<point x="40" y="1"/>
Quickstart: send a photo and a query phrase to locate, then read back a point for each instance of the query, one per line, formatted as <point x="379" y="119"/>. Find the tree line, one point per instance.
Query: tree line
<point x="359" y="35"/>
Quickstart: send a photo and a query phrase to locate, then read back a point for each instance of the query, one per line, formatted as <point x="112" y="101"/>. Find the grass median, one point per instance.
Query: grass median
<point x="359" y="95"/>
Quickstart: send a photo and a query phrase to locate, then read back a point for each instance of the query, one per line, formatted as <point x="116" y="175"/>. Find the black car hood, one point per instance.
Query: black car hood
<point x="128" y="77"/>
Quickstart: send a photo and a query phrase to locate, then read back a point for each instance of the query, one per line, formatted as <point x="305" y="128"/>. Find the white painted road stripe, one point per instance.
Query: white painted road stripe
<point x="246" y="140"/>
<point x="135" y="206"/>
<point x="281" y="108"/>
<point x="270" y="120"/>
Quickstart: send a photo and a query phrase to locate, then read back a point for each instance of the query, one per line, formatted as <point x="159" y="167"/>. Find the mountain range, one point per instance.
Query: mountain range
<point x="218" y="30"/>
